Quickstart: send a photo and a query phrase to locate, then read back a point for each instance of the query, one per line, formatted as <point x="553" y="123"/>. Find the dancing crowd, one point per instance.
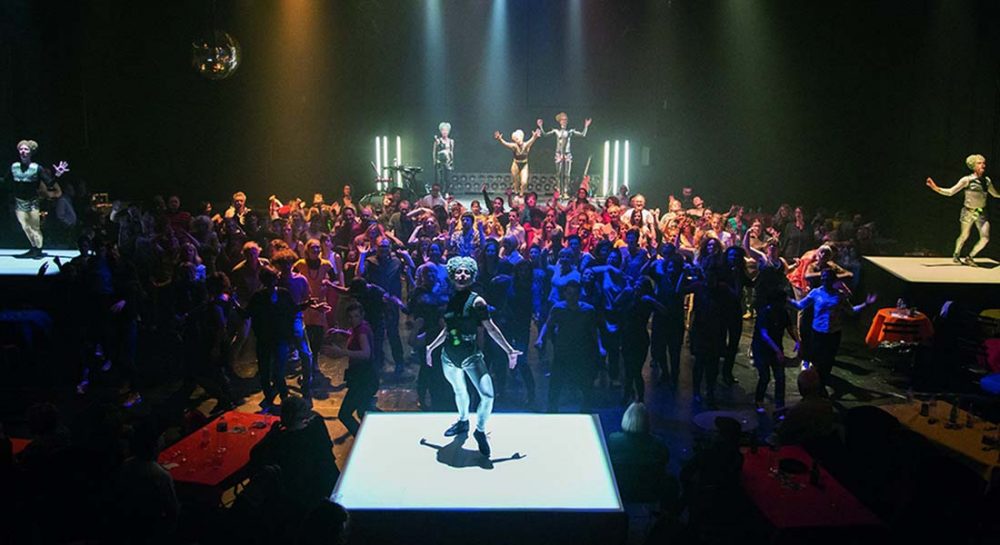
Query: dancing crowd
<point x="606" y="283"/>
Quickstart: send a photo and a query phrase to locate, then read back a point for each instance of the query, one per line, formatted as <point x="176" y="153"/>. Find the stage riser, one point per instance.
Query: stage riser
<point x="471" y="183"/>
<point x="486" y="528"/>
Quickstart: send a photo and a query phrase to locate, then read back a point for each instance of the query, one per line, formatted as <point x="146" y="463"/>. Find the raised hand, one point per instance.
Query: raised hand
<point x="871" y="298"/>
<point x="496" y="134"/>
<point x="43" y="268"/>
<point x="536" y="132"/>
<point x="930" y="183"/>
<point x="586" y="122"/>
<point x="61" y="168"/>
<point x="539" y="122"/>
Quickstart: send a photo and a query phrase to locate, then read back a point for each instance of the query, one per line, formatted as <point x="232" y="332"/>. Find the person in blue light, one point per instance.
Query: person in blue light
<point x="461" y="356"/>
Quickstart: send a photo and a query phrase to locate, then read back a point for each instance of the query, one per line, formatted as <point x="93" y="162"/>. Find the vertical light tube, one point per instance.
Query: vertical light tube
<point x="385" y="153"/>
<point x="614" y="177"/>
<point x="399" y="161"/>
<point x="607" y="160"/>
<point x="626" y="165"/>
<point x="378" y="163"/>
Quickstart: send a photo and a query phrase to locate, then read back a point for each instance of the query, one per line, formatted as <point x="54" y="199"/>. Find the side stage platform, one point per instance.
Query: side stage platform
<point x="930" y="281"/>
<point x="10" y="265"/>
<point x="549" y="480"/>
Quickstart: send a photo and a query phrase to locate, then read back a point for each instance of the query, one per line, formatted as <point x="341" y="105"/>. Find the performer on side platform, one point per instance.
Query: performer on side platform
<point x="564" y="155"/>
<point x="33" y="182"/>
<point x="444" y="156"/>
<point x="519" y="168"/>
<point x="461" y="356"/>
<point x="976" y="187"/>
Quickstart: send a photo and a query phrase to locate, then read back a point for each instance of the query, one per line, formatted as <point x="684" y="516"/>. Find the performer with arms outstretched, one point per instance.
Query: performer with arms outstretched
<point x="564" y="155"/>
<point x="461" y="356"/>
<point x="519" y="168"/>
<point x="977" y="186"/>
<point x="33" y="182"/>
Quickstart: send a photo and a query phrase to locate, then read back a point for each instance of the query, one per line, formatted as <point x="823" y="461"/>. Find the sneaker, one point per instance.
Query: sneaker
<point x="462" y="426"/>
<point x="484" y="445"/>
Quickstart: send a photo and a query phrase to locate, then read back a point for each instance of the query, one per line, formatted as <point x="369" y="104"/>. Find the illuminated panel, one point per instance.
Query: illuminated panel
<point x="397" y="462"/>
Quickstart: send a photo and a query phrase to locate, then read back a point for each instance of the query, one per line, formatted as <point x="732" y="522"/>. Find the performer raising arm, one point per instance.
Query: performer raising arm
<point x="461" y="356"/>
<point x="976" y="187"/>
<point x="31" y="183"/>
<point x="564" y="155"/>
<point x="519" y="168"/>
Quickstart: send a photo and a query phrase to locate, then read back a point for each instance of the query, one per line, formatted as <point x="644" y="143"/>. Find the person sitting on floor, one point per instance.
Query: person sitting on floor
<point x="638" y="457"/>
<point x="810" y="418"/>
<point x="300" y="445"/>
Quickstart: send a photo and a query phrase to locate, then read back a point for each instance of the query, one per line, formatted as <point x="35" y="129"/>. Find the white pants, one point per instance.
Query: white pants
<point x="31" y="222"/>
<point x="475" y="367"/>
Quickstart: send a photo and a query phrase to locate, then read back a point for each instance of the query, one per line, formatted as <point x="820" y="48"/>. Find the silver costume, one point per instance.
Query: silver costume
<point x="973" y="211"/>
<point x="564" y="153"/>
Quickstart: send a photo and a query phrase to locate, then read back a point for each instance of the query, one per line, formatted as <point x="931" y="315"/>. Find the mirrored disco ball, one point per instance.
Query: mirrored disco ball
<point x="215" y="55"/>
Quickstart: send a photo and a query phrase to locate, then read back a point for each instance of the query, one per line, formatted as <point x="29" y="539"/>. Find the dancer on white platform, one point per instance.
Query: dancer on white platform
<point x="461" y="355"/>
<point x="977" y="187"/>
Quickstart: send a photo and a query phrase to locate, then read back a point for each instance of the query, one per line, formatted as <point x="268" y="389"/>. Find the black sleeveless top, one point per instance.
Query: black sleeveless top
<point x="462" y="319"/>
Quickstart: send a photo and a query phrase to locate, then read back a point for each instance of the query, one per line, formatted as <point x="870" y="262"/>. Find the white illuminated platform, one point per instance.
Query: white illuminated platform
<point x="539" y="462"/>
<point x="10" y="265"/>
<point x="548" y="480"/>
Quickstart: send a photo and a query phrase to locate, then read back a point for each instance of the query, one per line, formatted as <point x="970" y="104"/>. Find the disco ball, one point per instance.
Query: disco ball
<point x="215" y="55"/>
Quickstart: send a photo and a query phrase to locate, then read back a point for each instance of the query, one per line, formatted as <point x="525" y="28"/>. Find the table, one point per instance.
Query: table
<point x="888" y="326"/>
<point x="791" y="502"/>
<point x="212" y="458"/>
<point x="19" y="444"/>
<point x="965" y="444"/>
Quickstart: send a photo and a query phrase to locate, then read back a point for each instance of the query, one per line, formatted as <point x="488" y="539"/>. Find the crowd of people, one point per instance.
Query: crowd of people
<point x="280" y="282"/>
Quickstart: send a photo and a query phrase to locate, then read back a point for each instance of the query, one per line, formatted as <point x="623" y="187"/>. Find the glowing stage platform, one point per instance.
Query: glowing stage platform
<point x="10" y="265"/>
<point x="549" y="480"/>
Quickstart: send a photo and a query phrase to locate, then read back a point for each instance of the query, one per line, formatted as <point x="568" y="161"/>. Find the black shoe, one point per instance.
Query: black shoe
<point x="37" y="253"/>
<point x="484" y="446"/>
<point x="462" y="426"/>
<point x="26" y="255"/>
<point x="956" y="259"/>
<point x="971" y="262"/>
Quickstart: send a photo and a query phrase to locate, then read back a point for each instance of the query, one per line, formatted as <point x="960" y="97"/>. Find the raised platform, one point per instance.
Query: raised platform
<point x="10" y="265"/>
<point x="549" y="480"/>
<point x="930" y="281"/>
<point x="938" y="270"/>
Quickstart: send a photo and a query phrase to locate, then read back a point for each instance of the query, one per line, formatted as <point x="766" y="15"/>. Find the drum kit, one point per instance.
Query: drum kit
<point x="384" y="182"/>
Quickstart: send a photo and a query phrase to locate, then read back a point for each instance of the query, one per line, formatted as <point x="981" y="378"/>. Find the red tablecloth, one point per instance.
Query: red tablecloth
<point x="209" y="457"/>
<point x="887" y="326"/>
<point x="800" y="505"/>
<point x="19" y="444"/>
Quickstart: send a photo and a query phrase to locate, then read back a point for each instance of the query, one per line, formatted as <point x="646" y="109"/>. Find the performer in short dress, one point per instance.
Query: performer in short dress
<point x="564" y="155"/>
<point x="519" y="167"/>
<point x="461" y="356"/>
<point x="444" y="156"/>
<point x="977" y="186"/>
<point x="32" y="182"/>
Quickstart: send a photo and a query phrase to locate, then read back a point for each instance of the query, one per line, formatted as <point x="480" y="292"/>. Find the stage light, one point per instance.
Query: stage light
<point x="378" y="158"/>
<point x="385" y="154"/>
<point x="607" y="157"/>
<point x="614" y="178"/>
<point x="399" y="161"/>
<point x="626" y="166"/>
